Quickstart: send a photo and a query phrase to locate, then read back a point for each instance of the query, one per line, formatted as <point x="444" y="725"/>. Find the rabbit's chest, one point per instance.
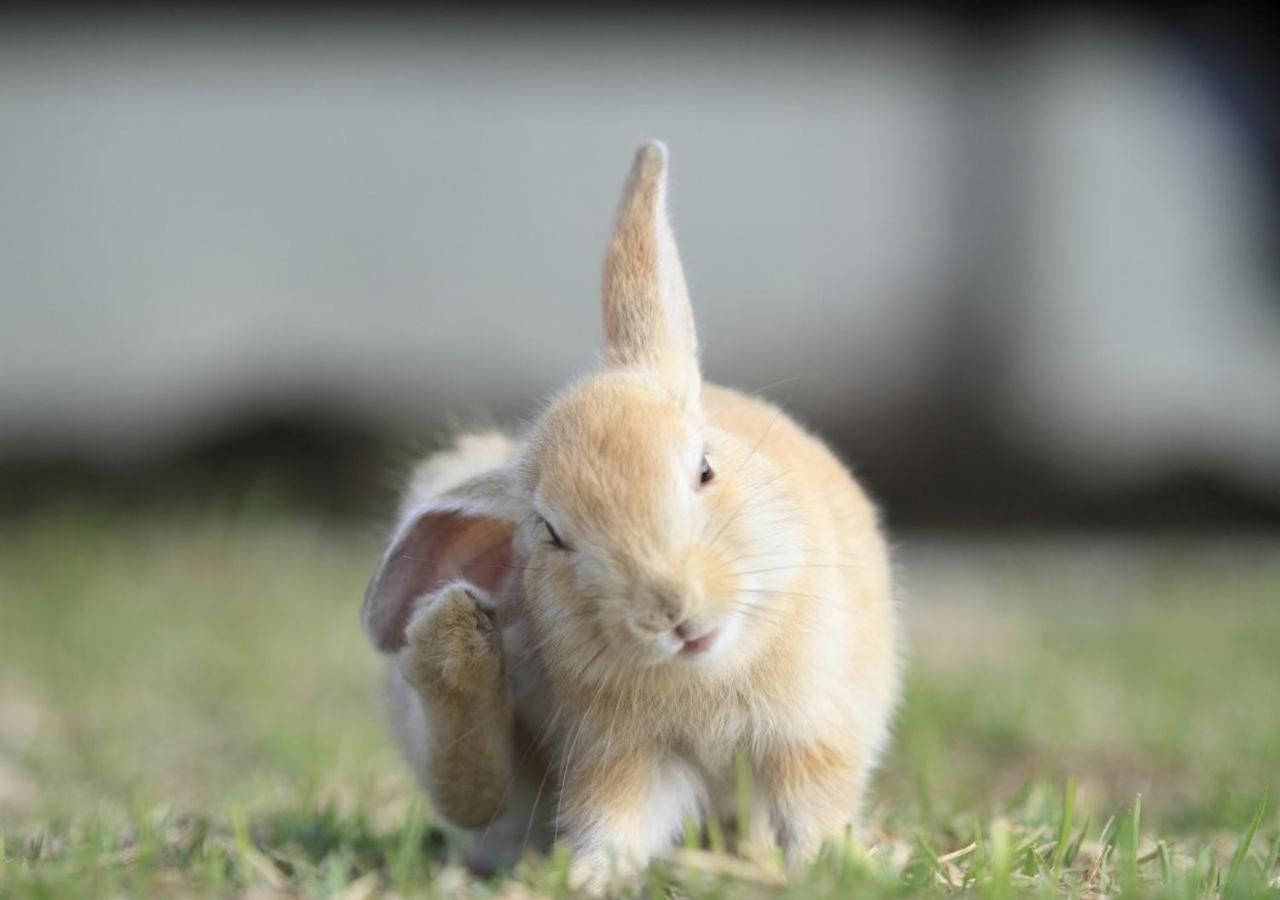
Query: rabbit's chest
<point x="712" y="734"/>
<point x="721" y="744"/>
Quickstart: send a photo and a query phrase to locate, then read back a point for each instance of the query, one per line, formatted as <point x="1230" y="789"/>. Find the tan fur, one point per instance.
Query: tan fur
<point x="453" y="660"/>
<point x="780" y="555"/>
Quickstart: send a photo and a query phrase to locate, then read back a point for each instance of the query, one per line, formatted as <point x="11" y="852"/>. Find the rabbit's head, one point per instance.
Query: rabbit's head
<point x="633" y="531"/>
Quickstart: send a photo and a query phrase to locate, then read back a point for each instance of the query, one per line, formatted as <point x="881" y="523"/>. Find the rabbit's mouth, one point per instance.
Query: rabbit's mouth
<point x="697" y="645"/>
<point x="697" y="639"/>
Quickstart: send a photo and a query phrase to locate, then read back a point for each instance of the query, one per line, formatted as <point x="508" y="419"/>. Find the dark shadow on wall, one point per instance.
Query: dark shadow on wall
<point x="954" y="474"/>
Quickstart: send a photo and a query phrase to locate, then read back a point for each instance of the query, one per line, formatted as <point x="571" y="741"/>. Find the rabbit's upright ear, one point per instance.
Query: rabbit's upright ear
<point x="462" y="533"/>
<point x="648" y="321"/>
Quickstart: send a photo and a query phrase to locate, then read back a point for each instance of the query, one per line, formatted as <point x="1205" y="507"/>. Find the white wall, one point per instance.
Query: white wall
<point x="391" y="223"/>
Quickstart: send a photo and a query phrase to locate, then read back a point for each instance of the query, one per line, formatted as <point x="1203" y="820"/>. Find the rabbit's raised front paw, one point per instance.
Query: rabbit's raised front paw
<point x="452" y="645"/>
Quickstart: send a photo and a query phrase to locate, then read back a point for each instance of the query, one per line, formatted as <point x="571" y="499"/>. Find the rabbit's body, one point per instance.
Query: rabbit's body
<point x="660" y="579"/>
<point x="817" y="592"/>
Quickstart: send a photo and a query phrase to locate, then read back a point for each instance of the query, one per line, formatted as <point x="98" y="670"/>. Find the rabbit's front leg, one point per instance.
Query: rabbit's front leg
<point x="620" y="810"/>
<point x="452" y="659"/>
<point x="813" y="791"/>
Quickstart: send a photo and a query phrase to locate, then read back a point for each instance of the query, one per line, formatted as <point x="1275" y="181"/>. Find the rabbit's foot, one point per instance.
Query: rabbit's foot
<point x="453" y="650"/>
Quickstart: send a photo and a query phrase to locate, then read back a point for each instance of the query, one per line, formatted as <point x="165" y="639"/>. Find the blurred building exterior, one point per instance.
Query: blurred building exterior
<point x="1014" y="270"/>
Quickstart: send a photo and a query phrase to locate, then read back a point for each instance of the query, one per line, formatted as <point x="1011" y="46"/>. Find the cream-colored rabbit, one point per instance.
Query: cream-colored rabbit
<point x="659" y="576"/>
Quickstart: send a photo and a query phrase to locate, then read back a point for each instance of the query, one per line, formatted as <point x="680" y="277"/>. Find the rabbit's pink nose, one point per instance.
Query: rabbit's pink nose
<point x="683" y="630"/>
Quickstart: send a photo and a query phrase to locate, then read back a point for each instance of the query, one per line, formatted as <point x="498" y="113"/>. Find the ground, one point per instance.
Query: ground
<point x="188" y="706"/>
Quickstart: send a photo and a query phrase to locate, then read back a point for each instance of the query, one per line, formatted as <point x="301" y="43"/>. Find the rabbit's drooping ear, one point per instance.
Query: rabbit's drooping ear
<point x="462" y="533"/>
<point x="647" y="317"/>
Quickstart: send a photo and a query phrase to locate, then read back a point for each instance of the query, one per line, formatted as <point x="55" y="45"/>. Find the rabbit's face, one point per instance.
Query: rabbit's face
<point x="648" y="531"/>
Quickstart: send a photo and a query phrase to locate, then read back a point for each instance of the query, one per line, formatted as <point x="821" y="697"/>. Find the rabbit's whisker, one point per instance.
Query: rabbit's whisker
<point x="426" y="559"/>
<point x="798" y="566"/>
<point x="739" y="510"/>
<point x="772" y="616"/>
<point x="816" y="598"/>
<point x="773" y="384"/>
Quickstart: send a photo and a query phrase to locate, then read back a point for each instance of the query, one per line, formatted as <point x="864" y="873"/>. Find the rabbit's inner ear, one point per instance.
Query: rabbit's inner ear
<point x="648" y="320"/>
<point x="437" y="548"/>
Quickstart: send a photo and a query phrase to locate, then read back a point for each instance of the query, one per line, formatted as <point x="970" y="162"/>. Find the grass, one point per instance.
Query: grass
<point x="187" y="706"/>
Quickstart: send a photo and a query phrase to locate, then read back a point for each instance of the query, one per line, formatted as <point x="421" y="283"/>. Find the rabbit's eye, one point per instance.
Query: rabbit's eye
<point x="706" y="473"/>
<point x="552" y="537"/>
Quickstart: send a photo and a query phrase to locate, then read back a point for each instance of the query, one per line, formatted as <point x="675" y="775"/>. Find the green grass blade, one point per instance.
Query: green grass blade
<point x="1064" y="829"/>
<point x="1147" y="857"/>
<point x="1166" y="862"/>
<point x="715" y="835"/>
<point x="406" y="860"/>
<point x="1134" y="835"/>
<point x="979" y="845"/>
<point x="1242" y="851"/>
<point x="1032" y="862"/>
<point x="1269" y="869"/>
<point x="935" y="863"/>
<point x="657" y="885"/>
<point x="1074" y="850"/>
<point x="1107" y="837"/>
<point x="1001" y="884"/>
<point x="1205" y="871"/>
<point x="692" y="834"/>
<point x="1043" y="868"/>
<point x="746" y="799"/>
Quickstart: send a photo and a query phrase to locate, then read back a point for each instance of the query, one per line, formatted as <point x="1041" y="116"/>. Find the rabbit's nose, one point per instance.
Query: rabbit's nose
<point x="668" y="603"/>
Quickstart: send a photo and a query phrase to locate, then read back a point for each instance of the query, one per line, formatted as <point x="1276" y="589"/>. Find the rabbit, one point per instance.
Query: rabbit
<point x="590" y="625"/>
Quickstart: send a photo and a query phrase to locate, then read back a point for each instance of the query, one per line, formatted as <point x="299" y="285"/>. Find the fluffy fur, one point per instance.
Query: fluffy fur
<point x="601" y="689"/>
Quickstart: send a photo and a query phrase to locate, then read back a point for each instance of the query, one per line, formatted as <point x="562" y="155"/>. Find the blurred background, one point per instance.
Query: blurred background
<point x="1023" y="272"/>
